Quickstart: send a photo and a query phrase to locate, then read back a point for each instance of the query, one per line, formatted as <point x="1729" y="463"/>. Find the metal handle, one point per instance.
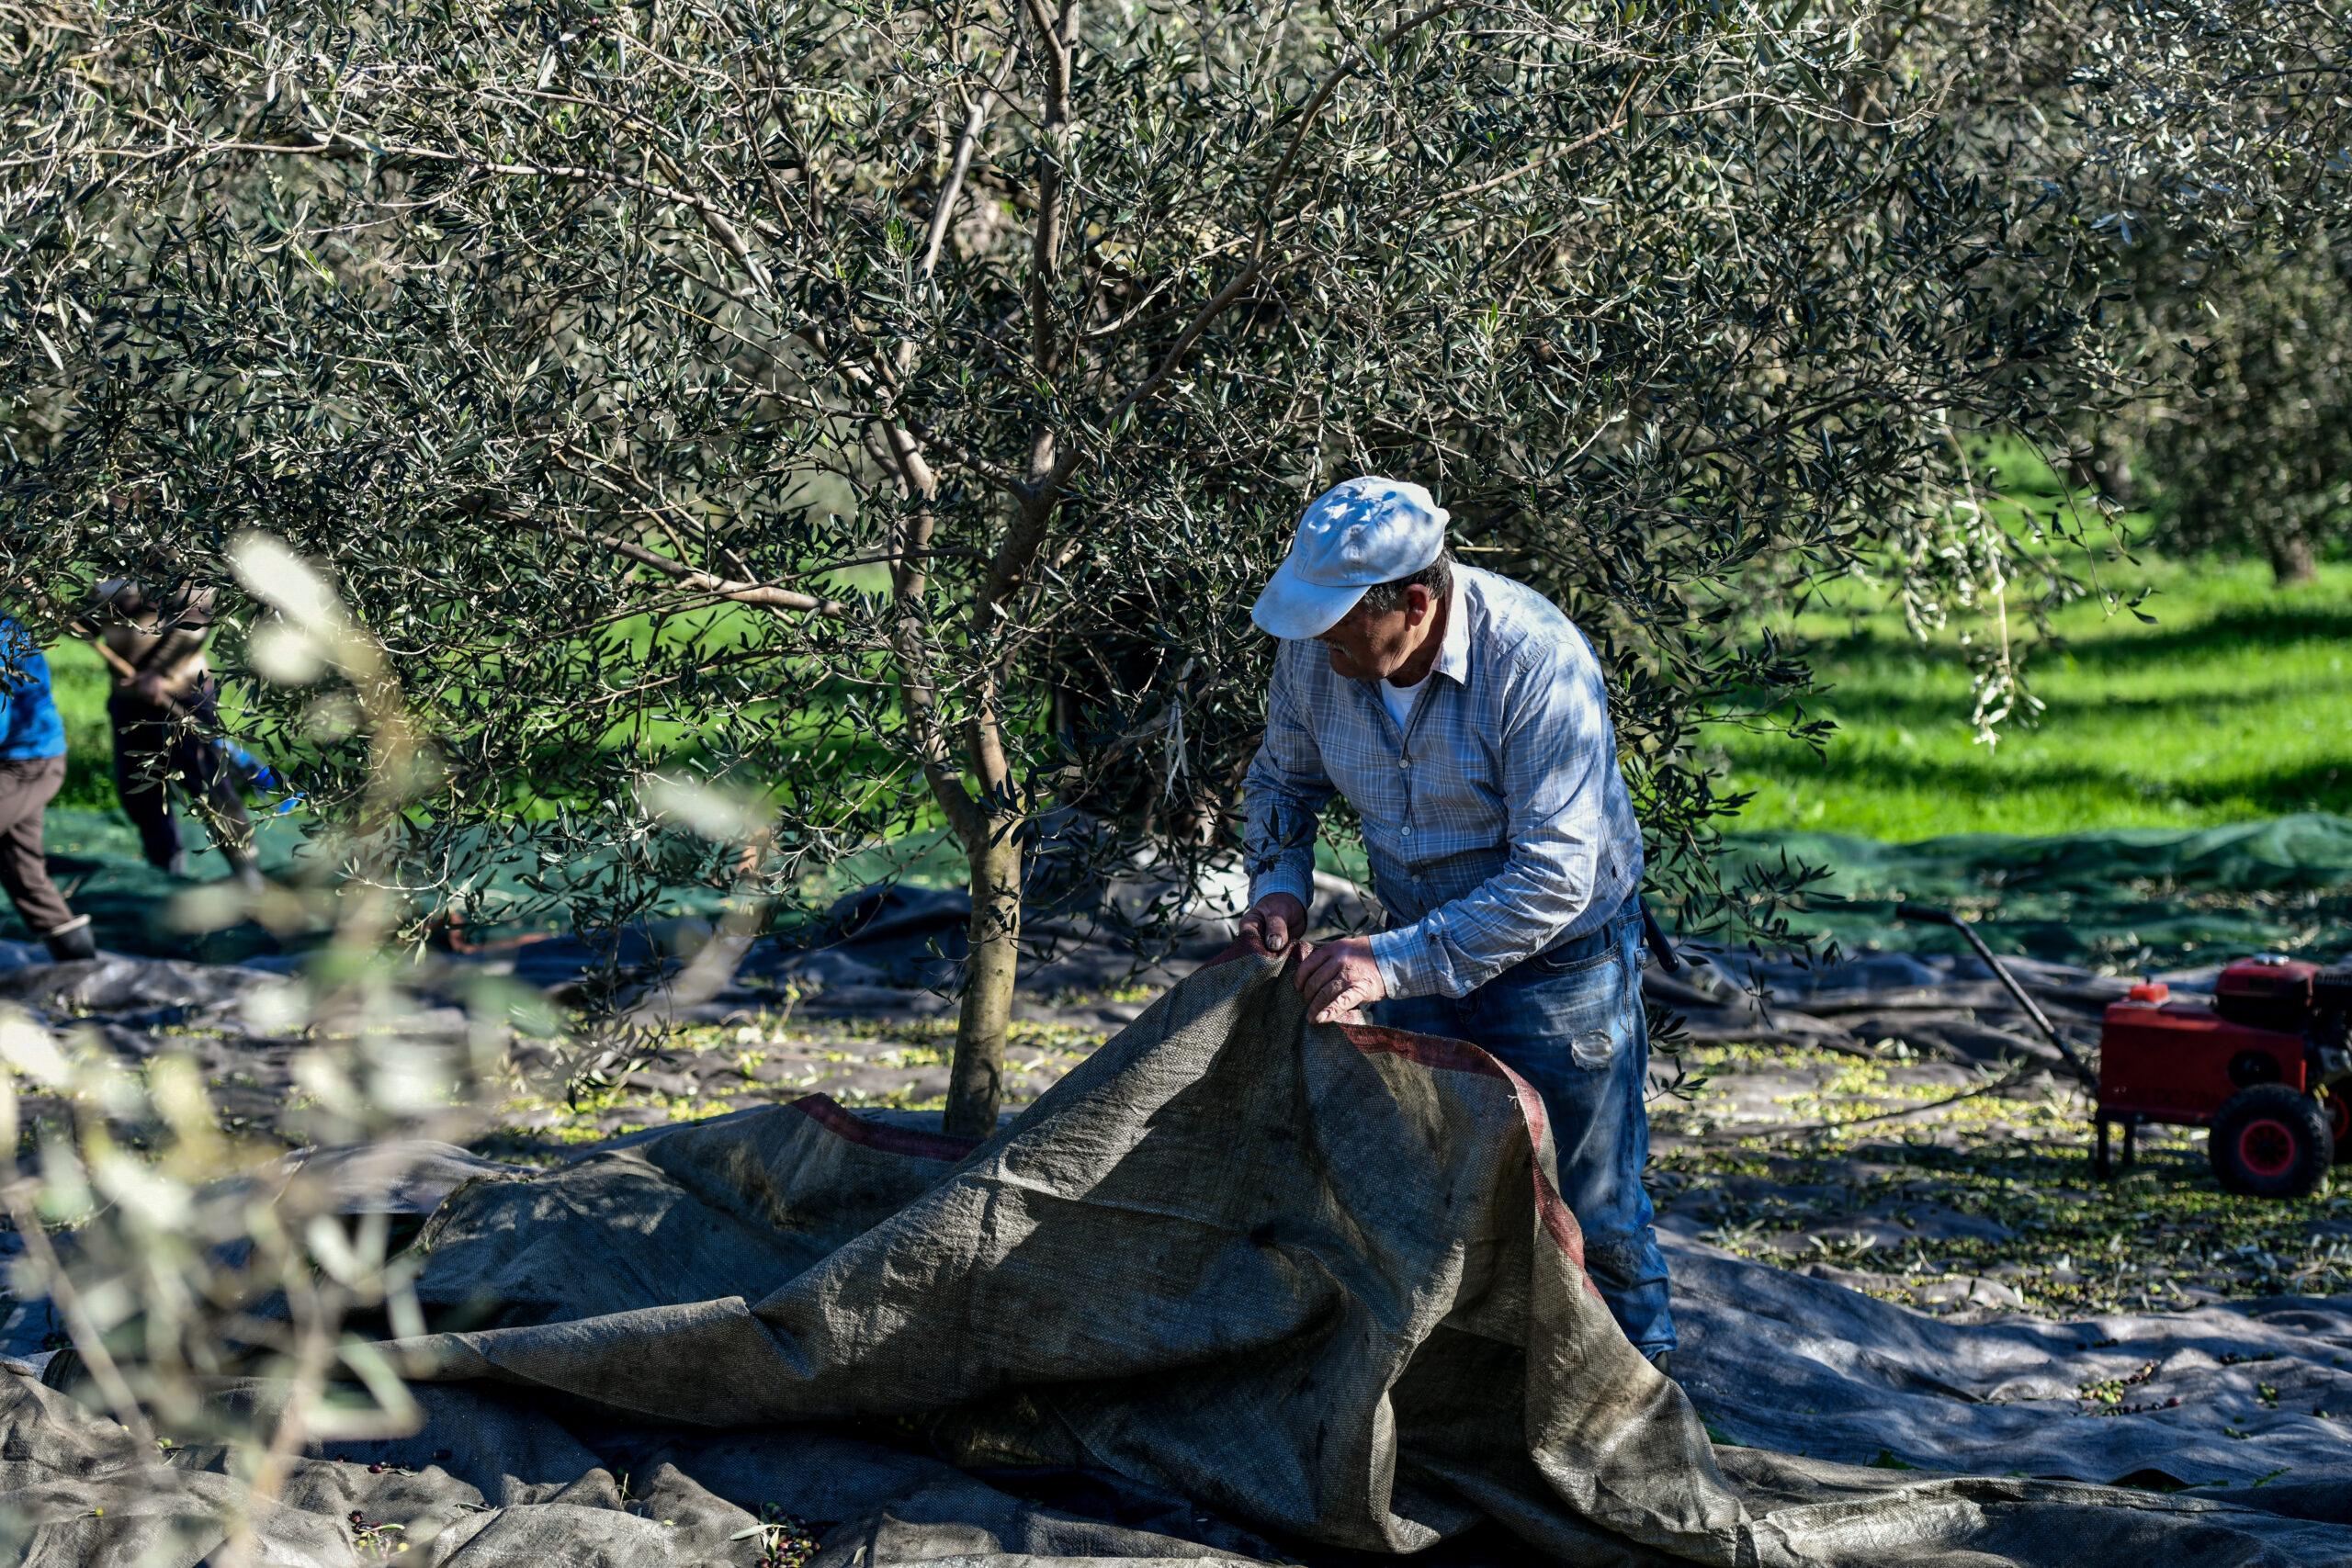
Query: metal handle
<point x="1660" y="948"/>
<point x="1930" y="915"/>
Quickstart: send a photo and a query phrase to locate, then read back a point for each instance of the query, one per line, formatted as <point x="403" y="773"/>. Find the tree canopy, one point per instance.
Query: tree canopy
<point x="891" y="409"/>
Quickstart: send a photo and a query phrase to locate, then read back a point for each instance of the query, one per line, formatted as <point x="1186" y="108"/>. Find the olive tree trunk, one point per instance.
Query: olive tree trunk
<point x="976" y="1081"/>
<point x="2292" y="559"/>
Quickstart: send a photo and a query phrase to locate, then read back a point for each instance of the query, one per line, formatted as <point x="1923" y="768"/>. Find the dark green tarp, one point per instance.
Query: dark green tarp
<point x="2122" y="899"/>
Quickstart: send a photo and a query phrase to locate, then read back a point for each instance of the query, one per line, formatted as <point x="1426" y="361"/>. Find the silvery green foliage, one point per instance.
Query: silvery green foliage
<point x="177" y="1259"/>
<point x="2255" y="456"/>
<point x="2218" y="125"/>
<point x="2209" y="143"/>
<point x="182" y="1257"/>
<point x="890" y="409"/>
<point x="2228" y="127"/>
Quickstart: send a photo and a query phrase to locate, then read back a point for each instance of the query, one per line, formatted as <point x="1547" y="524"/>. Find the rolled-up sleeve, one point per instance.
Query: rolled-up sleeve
<point x="1557" y="755"/>
<point x="1283" y="795"/>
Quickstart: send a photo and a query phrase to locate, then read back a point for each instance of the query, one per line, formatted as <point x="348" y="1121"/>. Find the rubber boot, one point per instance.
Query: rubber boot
<point x="1660" y="1360"/>
<point x="72" y="944"/>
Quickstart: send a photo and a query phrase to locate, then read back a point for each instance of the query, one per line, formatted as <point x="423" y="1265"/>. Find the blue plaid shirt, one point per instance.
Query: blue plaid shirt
<point x="1496" y="822"/>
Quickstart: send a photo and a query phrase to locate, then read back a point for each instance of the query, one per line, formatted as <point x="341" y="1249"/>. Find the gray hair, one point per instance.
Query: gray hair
<point x="1437" y="576"/>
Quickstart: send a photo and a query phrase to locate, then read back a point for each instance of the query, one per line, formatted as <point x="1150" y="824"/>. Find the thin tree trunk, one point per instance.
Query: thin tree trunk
<point x="2104" y="468"/>
<point x="976" y="1080"/>
<point x="2291" y="560"/>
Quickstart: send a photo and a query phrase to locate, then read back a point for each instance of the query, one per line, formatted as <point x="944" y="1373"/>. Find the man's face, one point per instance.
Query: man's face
<point x="1368" y="646"/>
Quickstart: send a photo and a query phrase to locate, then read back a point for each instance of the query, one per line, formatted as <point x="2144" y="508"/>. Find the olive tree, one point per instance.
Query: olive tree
<point x="2254" y="454"/>
<point x="891" y="407"/>
<point x="2223" y="129"/>
<point x="2208" y="141"/>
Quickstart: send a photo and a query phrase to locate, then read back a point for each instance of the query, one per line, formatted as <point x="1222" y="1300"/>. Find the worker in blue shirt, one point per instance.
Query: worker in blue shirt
<point x="32" y="767"/>
<point x="1466" y="720"/>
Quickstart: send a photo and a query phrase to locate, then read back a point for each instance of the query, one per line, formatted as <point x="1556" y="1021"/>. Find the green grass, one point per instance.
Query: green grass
<point x="2236" y="703"/>
<point x="81" y="684"/>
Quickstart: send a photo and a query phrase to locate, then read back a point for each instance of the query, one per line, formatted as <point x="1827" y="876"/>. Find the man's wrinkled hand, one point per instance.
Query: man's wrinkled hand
<point x="1277" y="921"/>
<point x="1338" y="979"/>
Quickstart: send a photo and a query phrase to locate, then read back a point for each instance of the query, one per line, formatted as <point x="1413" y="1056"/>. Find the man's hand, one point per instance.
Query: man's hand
<point x="1337" y="979"/>
<point x="1277" y="921"/>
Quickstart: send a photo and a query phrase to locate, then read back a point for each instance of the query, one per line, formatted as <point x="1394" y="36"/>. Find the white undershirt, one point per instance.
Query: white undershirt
<point x="1400" y="699"/>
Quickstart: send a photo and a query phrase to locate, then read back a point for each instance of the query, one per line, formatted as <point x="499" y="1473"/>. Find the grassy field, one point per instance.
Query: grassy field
<point x="2236" y="703"/>
<point x="81" y="684"/>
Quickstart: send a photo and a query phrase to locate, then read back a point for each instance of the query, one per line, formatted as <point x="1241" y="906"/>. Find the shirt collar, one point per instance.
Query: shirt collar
<point x="1454" y="653"/>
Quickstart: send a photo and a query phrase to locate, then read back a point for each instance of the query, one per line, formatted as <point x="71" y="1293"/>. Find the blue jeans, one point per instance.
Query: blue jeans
<point x="1572" y="1026"/>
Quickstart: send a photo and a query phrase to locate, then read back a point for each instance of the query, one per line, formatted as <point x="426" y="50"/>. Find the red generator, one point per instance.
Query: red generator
<point x="2264" y="1065"/>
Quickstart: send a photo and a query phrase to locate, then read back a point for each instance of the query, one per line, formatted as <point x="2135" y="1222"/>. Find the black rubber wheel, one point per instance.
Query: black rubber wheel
<point x="2272" y="1141"/>
<point x="2338" y="1104"/>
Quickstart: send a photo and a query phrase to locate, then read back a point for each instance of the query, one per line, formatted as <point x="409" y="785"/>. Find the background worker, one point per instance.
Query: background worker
<point x="1466" y="721"/>
<point x="166" y="715"/>
<point x="32" y="767"/>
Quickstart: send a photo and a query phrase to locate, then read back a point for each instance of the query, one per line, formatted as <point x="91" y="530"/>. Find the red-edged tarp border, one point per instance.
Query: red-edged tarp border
<point x="1428" y="1050"/>
<point x="835" y="1117"/>
<point x="1461" y="1056"/>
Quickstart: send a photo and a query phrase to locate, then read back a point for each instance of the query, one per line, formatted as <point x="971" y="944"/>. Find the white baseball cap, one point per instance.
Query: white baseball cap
<point x="1358" y="533"/>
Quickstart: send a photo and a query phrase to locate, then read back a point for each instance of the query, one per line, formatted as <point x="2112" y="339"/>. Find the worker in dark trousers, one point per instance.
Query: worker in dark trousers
<point x="166" y="715"/>
<point x="1466" y="720"/>
<point x="32" y="766"/>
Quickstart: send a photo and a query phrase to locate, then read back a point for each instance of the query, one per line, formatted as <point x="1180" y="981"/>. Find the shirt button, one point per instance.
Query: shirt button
<point x="1405" y="832"/>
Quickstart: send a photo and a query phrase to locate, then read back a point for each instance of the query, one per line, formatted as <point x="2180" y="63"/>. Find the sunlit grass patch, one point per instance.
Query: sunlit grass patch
<point x="2229" y="706"/>
<point x="938" y="1036"/>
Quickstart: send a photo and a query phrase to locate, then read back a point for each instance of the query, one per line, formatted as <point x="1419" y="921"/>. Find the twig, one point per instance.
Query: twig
<point x="954" y="184"/>
<point x="78" y="1323"/>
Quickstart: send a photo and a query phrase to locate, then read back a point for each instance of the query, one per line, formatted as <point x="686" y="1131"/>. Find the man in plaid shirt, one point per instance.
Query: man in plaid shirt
<point x="1466" y="720"/>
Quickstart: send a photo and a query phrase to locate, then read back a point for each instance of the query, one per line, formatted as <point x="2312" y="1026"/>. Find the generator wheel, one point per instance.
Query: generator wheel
<point x="2339" y="1118"/>
<point x="2272" y="1141"/>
